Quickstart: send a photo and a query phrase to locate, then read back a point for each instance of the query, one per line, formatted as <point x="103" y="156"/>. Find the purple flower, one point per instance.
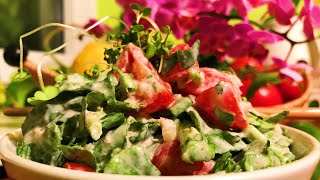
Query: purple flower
<point x="249" y="42"/>
<point x="310" y="15"/>
<point x="179" y="15"/>
<point x="290" y="70"/>
<point x="98" y="30"/>
<point x="282" y="10"/>
<point x="226" y="6"/>
<point x="127" y="3"/>
<point x="214" y="34"/>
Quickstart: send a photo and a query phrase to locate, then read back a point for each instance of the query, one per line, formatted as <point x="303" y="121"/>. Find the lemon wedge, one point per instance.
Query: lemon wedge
<point x="92" y="54"/>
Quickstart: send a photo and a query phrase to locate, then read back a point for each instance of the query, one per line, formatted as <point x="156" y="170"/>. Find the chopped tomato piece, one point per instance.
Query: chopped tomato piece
<point x="211" y="78"/>
<point x="167" y="159"/>
<point x="152" y="92"/>
<point x="226" y="99"/>
<point x="77" y="166"/>
<point x="178" y="72"/>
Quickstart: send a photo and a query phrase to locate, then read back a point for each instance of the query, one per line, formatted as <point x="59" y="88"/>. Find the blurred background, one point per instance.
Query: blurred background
<point x="20" y="16"/>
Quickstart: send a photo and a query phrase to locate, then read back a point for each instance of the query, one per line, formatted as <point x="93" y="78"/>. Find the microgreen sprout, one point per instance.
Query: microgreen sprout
<point x="49" y="92"/>
<point x="152" y="41"/>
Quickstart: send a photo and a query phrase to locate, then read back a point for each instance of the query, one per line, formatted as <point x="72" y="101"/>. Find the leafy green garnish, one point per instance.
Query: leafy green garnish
<point x="277" y="118"/>
<point x="225" y="117"/>
<point x="93" y="72"/>
<point x="111" y="55"/>
<point x="49" y="92"/>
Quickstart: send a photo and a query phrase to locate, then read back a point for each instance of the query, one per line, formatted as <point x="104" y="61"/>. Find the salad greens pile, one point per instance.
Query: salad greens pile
<point x="129" y="119"/>
<point x="86" y="123"/>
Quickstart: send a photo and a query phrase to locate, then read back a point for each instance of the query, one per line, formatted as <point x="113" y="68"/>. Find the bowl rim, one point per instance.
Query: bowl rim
<point x="8" y="156"/>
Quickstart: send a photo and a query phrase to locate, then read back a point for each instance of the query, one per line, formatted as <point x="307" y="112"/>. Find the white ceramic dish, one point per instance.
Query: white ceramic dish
<point x="302" y="169"/>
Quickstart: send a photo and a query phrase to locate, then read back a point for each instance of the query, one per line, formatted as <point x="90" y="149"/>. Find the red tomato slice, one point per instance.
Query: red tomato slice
<point x="229" y="101"/>
<point x="211" y="78"/>
<point x="268" y="95"/>
<point x="178" y="72"/>
<point x="152" y="92"/>
<point x="77" y="166"/>
<point x="167" y="159"/>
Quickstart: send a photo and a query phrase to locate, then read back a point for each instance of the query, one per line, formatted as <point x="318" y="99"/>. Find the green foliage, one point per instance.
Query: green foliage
<point x="18" y="90"/>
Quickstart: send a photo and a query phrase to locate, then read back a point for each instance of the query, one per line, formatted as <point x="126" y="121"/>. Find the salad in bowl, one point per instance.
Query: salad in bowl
<point x="152" y="111"/>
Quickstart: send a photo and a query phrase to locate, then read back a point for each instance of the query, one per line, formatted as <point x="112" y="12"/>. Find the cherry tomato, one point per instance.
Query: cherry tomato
<point x="167" y="159"/>
<point x="152" y="92"/>
<point x="291" y="89"/>
<point x="267" y="96"/>
<point x="241" y="63"/>
<point x="77" y="166"/>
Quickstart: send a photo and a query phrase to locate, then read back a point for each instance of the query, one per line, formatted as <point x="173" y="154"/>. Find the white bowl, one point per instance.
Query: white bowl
<point x="20" y="168"/>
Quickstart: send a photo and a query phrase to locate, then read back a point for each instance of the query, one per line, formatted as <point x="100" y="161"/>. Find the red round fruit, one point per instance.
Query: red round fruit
<point x="291" y="89"/>
<point x="241" y="63"/>
<point x="267" y="96"/>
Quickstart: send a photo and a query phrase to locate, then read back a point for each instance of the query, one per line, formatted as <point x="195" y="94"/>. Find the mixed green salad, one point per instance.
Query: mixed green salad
<point x="100" y="122"/>
<point x="153" y="111"/>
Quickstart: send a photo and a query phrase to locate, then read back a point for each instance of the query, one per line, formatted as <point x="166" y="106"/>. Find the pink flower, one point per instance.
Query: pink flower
<point x="282" y="10"/>
<point x="290" y="70"/>
<point x="213" y="33"/>
<point x="310" y="15"/>
<point x="249" y="42"/>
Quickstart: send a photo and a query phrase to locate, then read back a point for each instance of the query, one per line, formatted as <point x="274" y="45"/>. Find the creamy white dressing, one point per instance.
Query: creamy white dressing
<point x="89" y="147"/>
<point x="52" y="109"/>
<point x="100" y="86"/>
<point x="93" y="124"/>
<point x="169" y="129"/>
<point x="74" y="82"/>
<point x="35" y="135"/>
<point x="67" y="114"/>
<point x="147" y="142"/>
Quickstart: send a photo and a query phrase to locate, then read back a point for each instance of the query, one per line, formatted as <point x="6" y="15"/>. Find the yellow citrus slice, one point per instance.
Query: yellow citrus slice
<point x="92" y="54"/>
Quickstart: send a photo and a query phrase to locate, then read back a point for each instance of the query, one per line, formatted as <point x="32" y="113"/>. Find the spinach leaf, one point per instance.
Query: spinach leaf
<point x="79" y="154"/>
<point x="114" y="140"/>
<point x="112" y="120"/>
<point x="226" y="163"/>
